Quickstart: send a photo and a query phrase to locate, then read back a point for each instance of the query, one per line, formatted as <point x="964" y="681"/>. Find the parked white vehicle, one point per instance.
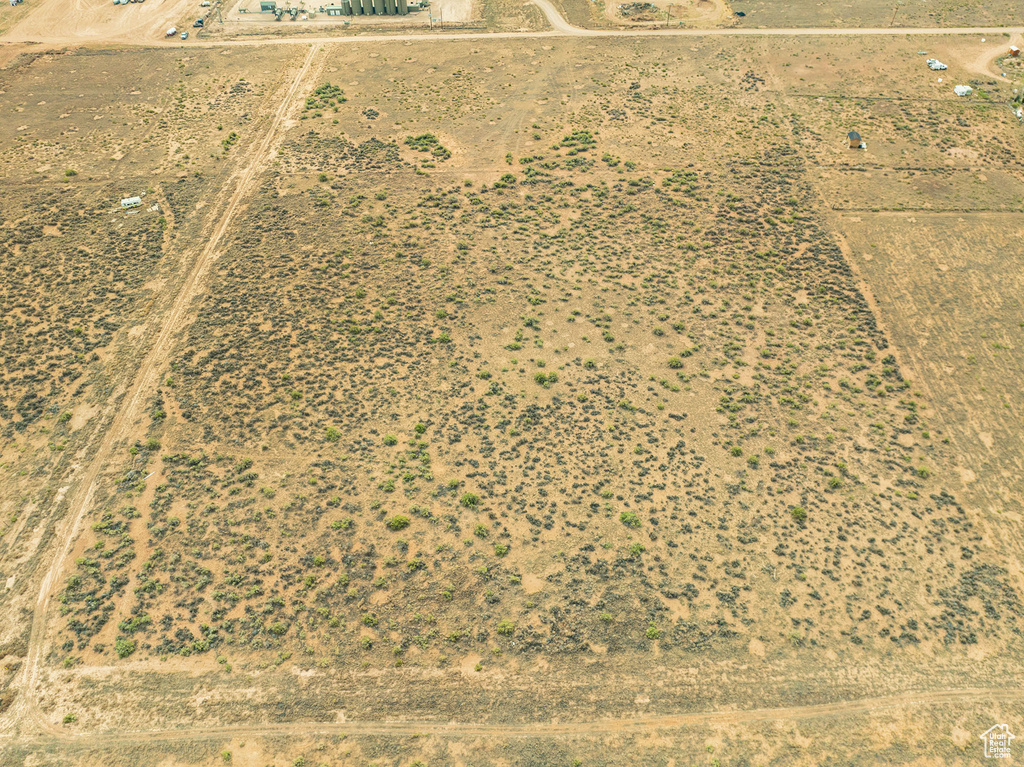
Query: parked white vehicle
<point x="172" y="31"/>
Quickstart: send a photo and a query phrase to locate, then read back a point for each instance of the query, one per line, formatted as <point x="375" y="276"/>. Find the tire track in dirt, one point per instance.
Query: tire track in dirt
<point x="594" y="728"/>
<point x="131" y="409"/>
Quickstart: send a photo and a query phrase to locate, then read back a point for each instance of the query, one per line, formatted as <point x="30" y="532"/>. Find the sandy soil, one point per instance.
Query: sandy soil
<point x="347" y="309"/>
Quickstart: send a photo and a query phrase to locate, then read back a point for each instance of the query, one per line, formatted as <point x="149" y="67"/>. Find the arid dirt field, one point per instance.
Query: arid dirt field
<point x="510" y="400"/>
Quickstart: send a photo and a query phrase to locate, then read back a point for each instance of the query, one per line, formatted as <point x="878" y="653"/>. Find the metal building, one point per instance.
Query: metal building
<point x="367" y="8"/>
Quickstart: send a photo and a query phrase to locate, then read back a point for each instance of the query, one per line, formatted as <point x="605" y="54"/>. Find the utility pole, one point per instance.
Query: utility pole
<point x="895" y="11"/>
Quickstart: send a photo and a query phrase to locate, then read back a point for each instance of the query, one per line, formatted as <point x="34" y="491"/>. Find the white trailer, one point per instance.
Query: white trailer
<point x="172" y="31"/>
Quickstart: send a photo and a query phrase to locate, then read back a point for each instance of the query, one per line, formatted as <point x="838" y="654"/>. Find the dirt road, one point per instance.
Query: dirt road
<point x="599" y="727"/>
<point x="54" y="25"/>
<point x="133" y="404"/>
<point x="49" y="27"/>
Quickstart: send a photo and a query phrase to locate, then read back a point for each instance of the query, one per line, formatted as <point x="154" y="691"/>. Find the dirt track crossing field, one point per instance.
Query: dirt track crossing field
<point x="124" y="418"/>
<point x="573" y="396"/>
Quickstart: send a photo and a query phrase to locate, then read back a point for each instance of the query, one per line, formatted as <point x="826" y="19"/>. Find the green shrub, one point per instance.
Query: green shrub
<point x="332" y="434"/>
<point x="124" y="647"/>
<point x="390" y="439"/>
<point x="398" y="522"/>
<point x="506" y="628"/>
<point x="469" y="500"/>
<point x="629" y="519"/>
<point x="799" y="514"/>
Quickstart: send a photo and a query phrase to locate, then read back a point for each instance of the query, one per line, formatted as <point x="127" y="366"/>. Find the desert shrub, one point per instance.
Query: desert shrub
<point x="469" y="500"/>
<point x="799" y="514"/>
<point x="506" y="628"/>
<point x="124" y="647"/>
<point x="428" y="142"/>
<point x="629" y="519"/>
<point x="398" y="522"/>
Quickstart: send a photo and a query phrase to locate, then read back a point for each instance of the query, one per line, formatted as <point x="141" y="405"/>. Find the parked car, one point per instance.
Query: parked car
<point x="184" y="35"/>
<point x="172" y="31"/>
<point x="198" y="23"/>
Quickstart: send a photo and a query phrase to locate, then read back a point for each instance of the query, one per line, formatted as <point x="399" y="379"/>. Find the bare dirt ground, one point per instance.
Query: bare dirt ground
<point x="100" y="21"/>
<point x="542" y="401"/>
<point x="694" y="13"/>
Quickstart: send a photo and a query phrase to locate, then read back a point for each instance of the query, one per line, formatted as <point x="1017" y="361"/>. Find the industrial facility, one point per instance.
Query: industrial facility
<point x="350" y="8"/>
<point x="368" y="8"/>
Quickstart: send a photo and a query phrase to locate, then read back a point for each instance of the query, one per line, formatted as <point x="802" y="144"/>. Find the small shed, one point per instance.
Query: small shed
<point x="1014" y="51"/>
<point x="131" y="202"/>
<point x="855" y="141"/>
